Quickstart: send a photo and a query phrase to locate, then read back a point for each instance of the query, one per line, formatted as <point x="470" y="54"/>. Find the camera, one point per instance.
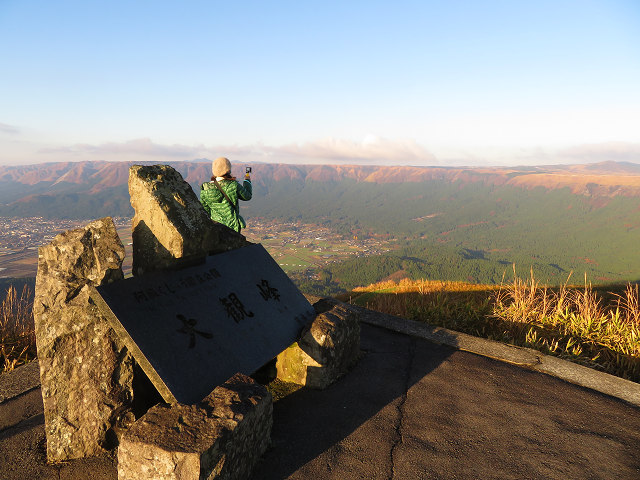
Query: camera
<point x="248" y="169"/>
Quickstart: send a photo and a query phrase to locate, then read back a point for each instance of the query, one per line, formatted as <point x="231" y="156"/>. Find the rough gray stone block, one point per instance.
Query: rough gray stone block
<point x="221" y="438"/>
<point x="170" y="226"/>
<point x="327" y="349"/>
<point x="85" y="371"/>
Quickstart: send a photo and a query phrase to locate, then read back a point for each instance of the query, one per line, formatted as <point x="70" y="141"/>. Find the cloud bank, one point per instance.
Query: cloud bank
<point x="10" y="129"/>
<point x="371" y="149"/>
<point x="603" y="152"/>
<point x="143" y="147"/>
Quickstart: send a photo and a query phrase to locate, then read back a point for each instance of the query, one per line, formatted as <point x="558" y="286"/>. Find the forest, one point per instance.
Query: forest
<point x="466" y="231"/>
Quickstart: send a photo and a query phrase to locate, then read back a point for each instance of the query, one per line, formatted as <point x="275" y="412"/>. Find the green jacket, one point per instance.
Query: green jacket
<point x="217" y="205"/>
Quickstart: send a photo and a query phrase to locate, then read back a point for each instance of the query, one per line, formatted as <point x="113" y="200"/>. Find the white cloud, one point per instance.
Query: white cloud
<point x="371" y="149"/>
<point x="601" y="152"/>
<point x="141" y="147"/>
<point x="10" y="129"/>
<point x="540" y="155"/>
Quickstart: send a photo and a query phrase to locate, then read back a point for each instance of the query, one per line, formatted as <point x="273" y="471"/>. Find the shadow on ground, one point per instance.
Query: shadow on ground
<point x="369" y="398"/>
<point x="415" y="409"/>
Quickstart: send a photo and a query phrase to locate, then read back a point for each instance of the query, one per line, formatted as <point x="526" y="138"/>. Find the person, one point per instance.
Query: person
<point x="220" y="196"/>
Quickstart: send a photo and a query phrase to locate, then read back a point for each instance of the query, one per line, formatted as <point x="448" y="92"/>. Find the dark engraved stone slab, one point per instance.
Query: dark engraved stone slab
<point x="192" y="329"/>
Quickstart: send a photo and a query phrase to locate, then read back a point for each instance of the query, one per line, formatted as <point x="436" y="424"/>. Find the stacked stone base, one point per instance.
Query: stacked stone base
<point x="327" y="349"/>
<point x="221" y="438"/>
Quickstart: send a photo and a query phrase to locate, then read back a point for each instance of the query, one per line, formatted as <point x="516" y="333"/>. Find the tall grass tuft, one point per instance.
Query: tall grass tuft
<point x="582" y="324"/>
<point x="17" y="336"/>
<point x="588" y="325"/>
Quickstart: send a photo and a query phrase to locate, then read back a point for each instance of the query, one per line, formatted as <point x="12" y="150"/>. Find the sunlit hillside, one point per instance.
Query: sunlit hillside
<point x="596" y="327"/>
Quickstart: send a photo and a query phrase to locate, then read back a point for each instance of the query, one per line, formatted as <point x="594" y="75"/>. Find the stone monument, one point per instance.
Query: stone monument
<point x="224" y="434"/>
<point x="189" y="323"/>
<point x="87" y="374"/>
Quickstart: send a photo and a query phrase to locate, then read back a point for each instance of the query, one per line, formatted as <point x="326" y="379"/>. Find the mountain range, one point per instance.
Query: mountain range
<point x="50" y="189"/>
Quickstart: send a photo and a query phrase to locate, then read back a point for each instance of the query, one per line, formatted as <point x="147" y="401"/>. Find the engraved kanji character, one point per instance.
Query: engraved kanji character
<point x="268" y="292"/>
<point x="234" y="307"/>
<point x="188" y="327"/>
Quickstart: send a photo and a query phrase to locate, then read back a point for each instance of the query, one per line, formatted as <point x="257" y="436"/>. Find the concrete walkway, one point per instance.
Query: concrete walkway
<point x="412" y="408"/>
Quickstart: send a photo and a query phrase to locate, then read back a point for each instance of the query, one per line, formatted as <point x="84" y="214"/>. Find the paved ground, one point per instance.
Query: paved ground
<point x="410" y="409"/>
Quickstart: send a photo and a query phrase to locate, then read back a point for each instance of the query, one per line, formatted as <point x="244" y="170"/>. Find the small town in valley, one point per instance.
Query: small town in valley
<point x="21" y="237"/>
<point x="297" y="246"/>
<point x="294" y="246"/>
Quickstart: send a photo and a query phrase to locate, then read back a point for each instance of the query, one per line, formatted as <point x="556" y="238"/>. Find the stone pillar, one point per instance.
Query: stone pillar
<point x="327" y="349"/>
<point x="170" y="226"/>
<point x="86" y="373"/>
<point x="221" y="438"/>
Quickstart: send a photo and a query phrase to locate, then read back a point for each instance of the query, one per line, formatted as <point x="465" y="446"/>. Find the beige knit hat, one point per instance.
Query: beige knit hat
<point x="221" y="165"/>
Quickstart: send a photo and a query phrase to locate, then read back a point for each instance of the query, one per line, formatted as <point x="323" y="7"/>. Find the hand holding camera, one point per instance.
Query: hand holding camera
<point x="247" y="172"/>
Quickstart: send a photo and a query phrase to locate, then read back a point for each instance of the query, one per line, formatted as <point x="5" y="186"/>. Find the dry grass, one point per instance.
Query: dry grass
<point x="583" y="324"/>
<point x="424" y="286"/>
<point x="17" y="336"/>
<point x="592" y="326"/>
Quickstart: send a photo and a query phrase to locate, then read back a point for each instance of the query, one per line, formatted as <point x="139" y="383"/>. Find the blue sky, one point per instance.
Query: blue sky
<point x="403" y="82"/>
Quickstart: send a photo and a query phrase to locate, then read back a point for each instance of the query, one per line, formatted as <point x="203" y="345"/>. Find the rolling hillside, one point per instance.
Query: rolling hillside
<point x="466" y="224"/>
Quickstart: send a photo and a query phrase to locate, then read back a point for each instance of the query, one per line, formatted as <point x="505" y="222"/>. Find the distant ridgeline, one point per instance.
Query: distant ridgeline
<point x="450" y="223"/>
